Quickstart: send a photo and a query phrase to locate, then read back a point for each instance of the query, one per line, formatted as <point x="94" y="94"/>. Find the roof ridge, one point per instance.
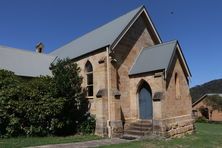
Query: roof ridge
<point x="24" y="51"/>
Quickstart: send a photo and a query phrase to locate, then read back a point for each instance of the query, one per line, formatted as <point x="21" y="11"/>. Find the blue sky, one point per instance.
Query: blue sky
<point x="197" y="24"/>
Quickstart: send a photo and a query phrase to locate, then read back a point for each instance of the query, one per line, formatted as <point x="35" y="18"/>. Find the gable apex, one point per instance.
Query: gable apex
<point x="139" y="13"/>
<point x="158" y="57"/>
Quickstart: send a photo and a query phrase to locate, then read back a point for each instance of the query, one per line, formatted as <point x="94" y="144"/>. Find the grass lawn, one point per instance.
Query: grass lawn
<point x="34" y="141"/>
<point x="206" y="136"/>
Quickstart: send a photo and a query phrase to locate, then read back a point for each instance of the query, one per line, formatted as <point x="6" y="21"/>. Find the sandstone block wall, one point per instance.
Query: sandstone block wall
<point x="173" y="127"/>
<point x="125" y="53"/>
<point x="99" y="75"/>
<point x="173" y="106"/>
<point x="156" y="85"/>
<point x="98" y="105"/>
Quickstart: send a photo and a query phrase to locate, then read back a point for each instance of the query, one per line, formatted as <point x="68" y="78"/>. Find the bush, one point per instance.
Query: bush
<point x="87" y="126"/>
<point x="201" y="120"/>
<point x="27" y="107"/>
<point x="43" y="105"/>
<point x="67" y="83"/>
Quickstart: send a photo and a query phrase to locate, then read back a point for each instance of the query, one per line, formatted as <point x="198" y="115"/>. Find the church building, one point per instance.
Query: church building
<point x="136" y="84"/>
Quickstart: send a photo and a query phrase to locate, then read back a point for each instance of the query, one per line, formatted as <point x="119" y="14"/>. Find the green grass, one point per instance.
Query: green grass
<point x="35" y="141"/>
<point x="206" y="136"/>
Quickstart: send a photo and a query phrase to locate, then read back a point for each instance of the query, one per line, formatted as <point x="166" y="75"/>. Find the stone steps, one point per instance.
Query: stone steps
<point x="141" y="128"/>
<point x="138" y="129"/>
<point x="134" y="132"/>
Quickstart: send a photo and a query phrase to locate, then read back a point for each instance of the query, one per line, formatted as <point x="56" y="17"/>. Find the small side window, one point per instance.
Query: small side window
<point x="89" y="78"/>
<point x="177" y="86"/>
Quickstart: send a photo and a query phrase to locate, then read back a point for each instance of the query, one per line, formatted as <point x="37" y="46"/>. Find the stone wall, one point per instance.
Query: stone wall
<point x="156" y="85"/>
<point x="98" y="105"/>
<point x="174" y="127"/>
<point x="173" y="105"/>
<point x="125" y="53"/>
<point x="99" y="74"/>
<point x="176" y="109"/>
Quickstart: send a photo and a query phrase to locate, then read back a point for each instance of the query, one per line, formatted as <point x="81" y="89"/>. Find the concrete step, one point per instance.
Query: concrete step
<point x="130" y="137"/>
<point x="134" y="132"/>
<point x="141" y="128"/>
<point x="139" y="124"/>
<point x="144" y="121"/>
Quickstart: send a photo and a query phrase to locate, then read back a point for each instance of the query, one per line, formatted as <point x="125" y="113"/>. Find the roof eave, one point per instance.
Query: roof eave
<point x="184" y="60"/>
<point x="145" y="72"/>
<point x="177" y="46"/>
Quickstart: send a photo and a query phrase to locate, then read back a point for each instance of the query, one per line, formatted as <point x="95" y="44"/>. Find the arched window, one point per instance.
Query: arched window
<point x="89" y="78"/>
<point x="177" y="85"/>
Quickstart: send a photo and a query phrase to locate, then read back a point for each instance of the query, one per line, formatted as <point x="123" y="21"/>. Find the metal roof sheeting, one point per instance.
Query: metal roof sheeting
<point x="98" y="38"/>
<point x="154" y="58"/>
<point x="25" y="63"/>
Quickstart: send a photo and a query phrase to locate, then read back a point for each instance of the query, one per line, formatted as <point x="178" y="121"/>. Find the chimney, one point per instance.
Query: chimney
<point x="39" y="48"/>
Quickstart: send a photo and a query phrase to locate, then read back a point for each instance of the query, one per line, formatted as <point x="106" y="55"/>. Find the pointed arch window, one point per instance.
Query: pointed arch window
<point x="177" y="85"/>
<point x="89" y="79"/>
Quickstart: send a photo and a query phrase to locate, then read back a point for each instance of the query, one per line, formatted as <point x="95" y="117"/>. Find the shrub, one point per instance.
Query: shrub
<point x="87" y="126"/>
<point x="43" y="105"/>
<point x="201" y="120"/>
<point x="67" y="83"/>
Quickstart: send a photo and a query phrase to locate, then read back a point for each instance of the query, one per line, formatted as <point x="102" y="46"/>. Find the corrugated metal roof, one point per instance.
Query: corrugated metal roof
<point x="25" y="63"/>
<point x="154" y="58"/>
<point x="98" y="38"/>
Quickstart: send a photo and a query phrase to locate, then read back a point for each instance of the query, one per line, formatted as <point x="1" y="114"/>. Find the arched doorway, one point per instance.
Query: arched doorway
<point x="145" y="101"/>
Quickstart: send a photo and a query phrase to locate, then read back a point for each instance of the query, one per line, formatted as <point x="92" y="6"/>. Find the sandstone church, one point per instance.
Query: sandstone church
<point x="136" y="83"/>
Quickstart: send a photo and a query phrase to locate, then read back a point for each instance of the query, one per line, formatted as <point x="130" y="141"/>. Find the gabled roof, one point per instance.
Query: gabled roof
<point x="25" y="63"/>
<point x="106" y="35"/>
<point x="204" y="96"/>
<point x="157" y="57"/>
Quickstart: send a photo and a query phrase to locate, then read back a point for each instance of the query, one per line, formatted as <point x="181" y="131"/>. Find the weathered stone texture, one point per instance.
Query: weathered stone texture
<point x="98" y="105"/>
<point x="99" y="75"/>
<point x="172" y="106"/>
<point x="156" y="85"/>
<point x="127" y="51"/>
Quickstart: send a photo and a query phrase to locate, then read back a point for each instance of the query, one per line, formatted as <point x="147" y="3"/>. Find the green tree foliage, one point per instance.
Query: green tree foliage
<point x="198" y="91"/>
<point x="67" y="83"/>
<point x="43" y="105"/>
<point x="214" y="101"/>
<point x="9" y="91"/>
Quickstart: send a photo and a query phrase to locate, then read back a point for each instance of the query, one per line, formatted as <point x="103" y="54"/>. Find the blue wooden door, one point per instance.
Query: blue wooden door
<point x="145" y="104"/>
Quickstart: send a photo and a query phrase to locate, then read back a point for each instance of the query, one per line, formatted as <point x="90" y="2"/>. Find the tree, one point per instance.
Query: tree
<point x="68" y="81"/>
<point x="43" y="105"/>
<point x="215" y="102"/>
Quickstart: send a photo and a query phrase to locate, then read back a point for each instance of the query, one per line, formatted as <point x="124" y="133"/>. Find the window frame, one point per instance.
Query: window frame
<point x="177" y="86"/>
<point x="89" y="72"/>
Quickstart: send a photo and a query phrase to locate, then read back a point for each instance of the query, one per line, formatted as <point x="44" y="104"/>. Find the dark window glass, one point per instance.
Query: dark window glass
<point x="89" y="67"/>
<point x="90" y="90"/>
<point x="89" y="79"/>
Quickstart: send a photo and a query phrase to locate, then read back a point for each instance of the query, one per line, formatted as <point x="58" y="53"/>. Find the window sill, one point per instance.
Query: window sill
<point x="89" y="97"/>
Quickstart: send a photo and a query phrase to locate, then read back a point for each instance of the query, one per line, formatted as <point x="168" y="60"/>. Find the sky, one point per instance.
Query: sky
<point x="197" y="24"/>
